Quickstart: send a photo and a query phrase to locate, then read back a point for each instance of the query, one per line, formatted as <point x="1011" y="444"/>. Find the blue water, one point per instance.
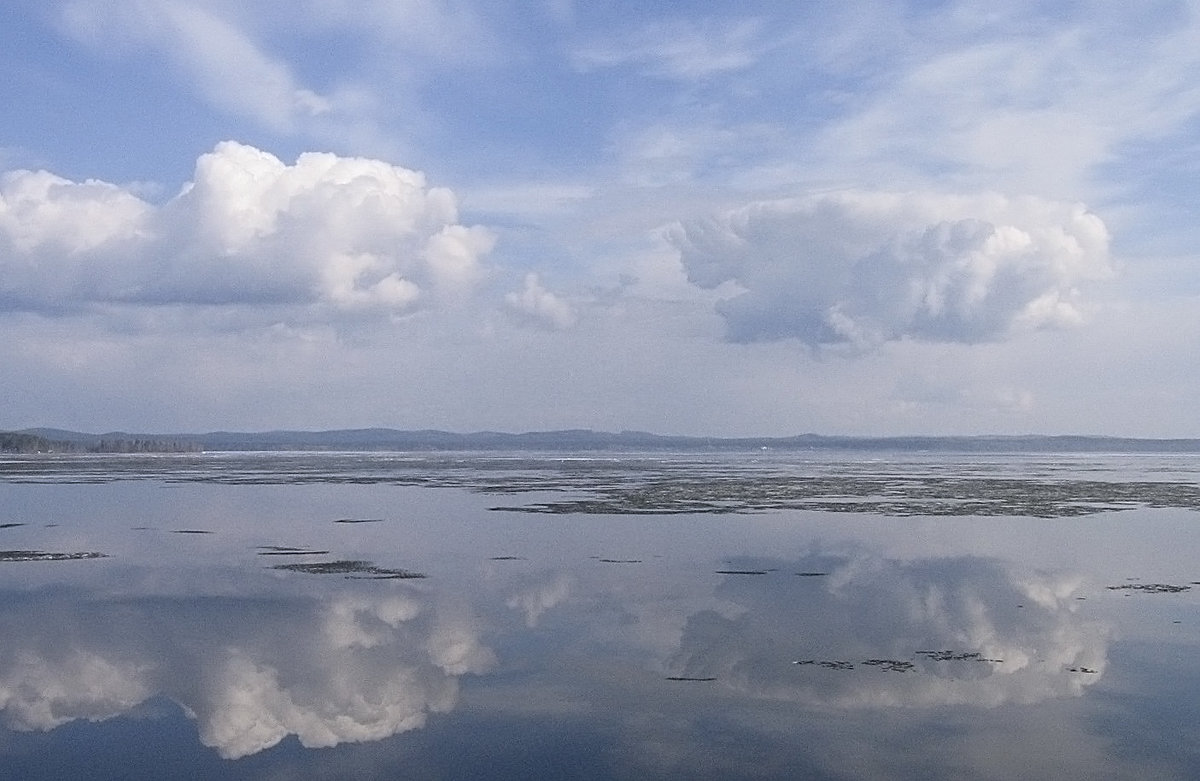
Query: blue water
<point x="617" y="616"/>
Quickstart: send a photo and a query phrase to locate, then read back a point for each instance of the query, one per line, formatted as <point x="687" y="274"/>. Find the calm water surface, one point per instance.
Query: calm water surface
<point x="759" y="615"/>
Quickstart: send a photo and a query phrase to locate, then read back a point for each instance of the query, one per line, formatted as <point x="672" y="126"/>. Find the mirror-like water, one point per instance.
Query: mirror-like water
<point x="619" y="616"/>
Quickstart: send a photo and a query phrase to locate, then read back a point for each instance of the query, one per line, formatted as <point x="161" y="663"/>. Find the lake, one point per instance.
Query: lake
<point x="607" y="615"/>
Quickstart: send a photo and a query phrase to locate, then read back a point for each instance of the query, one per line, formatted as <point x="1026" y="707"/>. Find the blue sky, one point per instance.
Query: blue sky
<point x="699" y="218"/>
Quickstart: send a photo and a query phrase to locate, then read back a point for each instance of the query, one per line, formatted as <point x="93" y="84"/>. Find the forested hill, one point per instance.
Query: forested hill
<point x="56" y="441"/>
<point x="575" y="440"/>
<point x="16" y="442"/>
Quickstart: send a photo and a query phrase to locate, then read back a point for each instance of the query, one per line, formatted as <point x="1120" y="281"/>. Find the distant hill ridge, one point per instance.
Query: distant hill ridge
<point x="51" y="439"/>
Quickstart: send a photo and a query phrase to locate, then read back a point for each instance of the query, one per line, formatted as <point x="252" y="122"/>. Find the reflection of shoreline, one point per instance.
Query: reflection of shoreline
<point x="879" y="632"/>
<point x="353" y="667"/>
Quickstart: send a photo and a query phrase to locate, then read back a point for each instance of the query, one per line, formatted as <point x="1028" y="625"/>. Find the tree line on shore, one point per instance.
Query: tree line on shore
<point x="18" y="442"/>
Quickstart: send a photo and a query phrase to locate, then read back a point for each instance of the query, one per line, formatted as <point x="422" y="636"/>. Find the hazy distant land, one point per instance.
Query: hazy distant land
<point x="42" y="440"/>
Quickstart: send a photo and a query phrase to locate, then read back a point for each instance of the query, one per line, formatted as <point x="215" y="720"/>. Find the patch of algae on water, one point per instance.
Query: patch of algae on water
<point x="351" y="569"/>
<point x="37" y="555"/>
<point x="885" y="495"/>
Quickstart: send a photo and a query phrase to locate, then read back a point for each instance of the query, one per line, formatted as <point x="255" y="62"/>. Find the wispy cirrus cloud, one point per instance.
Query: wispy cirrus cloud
<point x="220" y="59"/>
<point x="445" y="30"/>
<point x="680" y="49"/>
<point x="1024" y="102"/>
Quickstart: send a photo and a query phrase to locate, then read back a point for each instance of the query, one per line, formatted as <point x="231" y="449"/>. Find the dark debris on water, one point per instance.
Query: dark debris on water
<point x="884" y="494"/>
<point x="1150" y="588"/>
<point x="899" y="665"/>
<point x="37" y="555"/>
<point x="286" y="550"/>
<point x="353" y="569"/>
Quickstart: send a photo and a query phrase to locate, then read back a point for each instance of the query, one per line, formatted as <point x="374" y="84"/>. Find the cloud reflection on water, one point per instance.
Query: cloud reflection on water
<point x="876" y="632"/>
<point x="536" y="598"/>
<point x="347" y="668"/>
<point x="852" y="631"/>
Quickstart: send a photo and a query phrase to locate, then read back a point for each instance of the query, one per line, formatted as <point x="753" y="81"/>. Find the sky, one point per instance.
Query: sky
<point x="753" y="219"/>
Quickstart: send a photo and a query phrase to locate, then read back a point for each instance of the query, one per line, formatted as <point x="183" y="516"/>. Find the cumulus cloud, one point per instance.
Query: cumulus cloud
<point x="973" y="632"/>
<point x="339" y="233"/>
<point x="350" y="668"/>
<point x="869" y="267"/>
<point x="535" y="304"/>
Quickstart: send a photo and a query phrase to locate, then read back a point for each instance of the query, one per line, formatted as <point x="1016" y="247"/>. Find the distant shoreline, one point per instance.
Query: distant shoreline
<point x="41" y="440"/>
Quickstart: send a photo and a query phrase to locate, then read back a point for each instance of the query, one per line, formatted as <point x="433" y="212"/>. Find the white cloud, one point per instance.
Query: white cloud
<point x="528" y="200"/>
<point x="346" y="234"/>
<point x="43" y="212"/>
<point x="536" y="304"/>
<point x="683" y="50"/>
<point x="444" y="30"/>
<point x="868" y="267"/>
<point x="1018" y="98"/>
<point x="221" y="60"/>
<point x="692" y="150"/>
